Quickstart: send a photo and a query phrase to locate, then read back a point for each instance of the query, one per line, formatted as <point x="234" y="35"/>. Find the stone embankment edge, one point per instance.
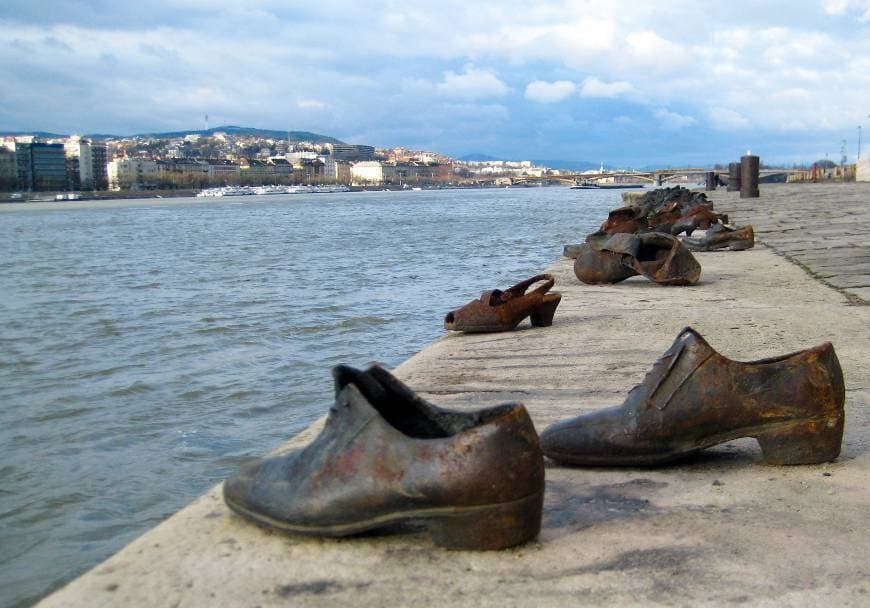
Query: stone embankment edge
<point x="719" y="529"/>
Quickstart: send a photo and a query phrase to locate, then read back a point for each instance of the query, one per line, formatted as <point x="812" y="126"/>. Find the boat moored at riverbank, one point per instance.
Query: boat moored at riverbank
<point x="590" y="185"/>
<point x="264" y="190"/>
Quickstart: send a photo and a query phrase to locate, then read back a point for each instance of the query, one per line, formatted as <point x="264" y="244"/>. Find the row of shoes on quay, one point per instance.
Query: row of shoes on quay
<point x="642" y="240"/>
<point x="386" y="459"/>
<point x="661" y="258"/>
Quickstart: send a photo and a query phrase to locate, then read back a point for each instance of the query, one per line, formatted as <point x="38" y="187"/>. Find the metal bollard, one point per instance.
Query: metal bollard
<point x="710" y="179"/>
<point x="749" y="176"/>
<point x="733" y="177"/>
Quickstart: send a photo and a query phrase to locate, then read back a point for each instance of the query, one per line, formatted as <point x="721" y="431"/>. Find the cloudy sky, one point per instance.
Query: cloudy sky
<point x="627" y="82"/>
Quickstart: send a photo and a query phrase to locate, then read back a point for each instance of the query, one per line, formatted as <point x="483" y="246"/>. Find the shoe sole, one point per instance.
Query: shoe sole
<point x="794" y="442"/>
<point x="484" y="527"/>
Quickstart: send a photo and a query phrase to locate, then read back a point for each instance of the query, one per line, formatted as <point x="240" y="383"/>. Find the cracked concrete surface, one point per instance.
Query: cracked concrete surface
<point x="720" y="528"/>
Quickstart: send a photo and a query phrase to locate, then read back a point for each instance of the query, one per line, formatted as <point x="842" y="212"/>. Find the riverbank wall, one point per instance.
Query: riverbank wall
<point x="721" y="528"/>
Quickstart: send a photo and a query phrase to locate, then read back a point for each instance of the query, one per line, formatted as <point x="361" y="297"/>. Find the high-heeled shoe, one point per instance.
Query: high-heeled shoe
<point x="498" y="310"/>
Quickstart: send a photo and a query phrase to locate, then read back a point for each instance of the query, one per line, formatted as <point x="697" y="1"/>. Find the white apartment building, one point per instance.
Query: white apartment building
<point x="86" y="162"/>
<point x="297" y="158"/>
<point x="133" y="174"/>
<point x="370" y="173"/>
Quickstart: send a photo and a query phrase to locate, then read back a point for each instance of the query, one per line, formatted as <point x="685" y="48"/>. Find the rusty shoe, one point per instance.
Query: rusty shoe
<point x="720" y="236"/>
<point x="595" y="266"/>
<point x="694" y="398"/>
<point x="698" y="217"/>
<point x="498" y="310"/>
<point x="625" y="220"/>
<point x="659" y="257"/>
<point x="386" y="459"/>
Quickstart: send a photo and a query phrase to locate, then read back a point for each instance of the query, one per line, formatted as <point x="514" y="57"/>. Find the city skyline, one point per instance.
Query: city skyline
<point x="673" y="83"/>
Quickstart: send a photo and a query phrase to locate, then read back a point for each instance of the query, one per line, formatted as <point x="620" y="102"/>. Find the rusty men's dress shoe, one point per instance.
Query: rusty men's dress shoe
<point x="659" y="257"/>
<point x="720" y="236"/>
<point x="694" y="398"/>
<point x="385" y="458"/>
<point x="498" y="310"/>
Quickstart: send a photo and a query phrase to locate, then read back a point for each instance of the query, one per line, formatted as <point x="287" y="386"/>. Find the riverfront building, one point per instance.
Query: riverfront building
<point x="40" y="167"/>
<point x="86" y="164"/>
<point x="370" y="173"/>
<point x="8" y="170"/>
<point x="132" y="174"/>
<point x="336" y="170"/>
<point x="352" y="152"/>
<point x="222" y="171"/>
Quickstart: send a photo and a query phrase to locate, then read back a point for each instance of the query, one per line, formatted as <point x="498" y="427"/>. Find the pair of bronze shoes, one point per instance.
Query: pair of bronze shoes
<point x="659" y="257"/>
<point x="720" y="236"/>
<point x="387" y="459"/>
<point x="498" y="310"/>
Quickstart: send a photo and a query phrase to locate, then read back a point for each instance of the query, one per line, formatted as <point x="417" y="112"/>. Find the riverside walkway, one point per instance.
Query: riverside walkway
<point x="822" y="227"/>
<point x="719" y="529"/>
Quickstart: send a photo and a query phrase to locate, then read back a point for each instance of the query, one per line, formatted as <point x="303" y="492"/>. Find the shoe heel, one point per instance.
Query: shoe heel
<point x="807" y="442"/>
<point x="542" y="316"/>
<point x="491" y="528"/>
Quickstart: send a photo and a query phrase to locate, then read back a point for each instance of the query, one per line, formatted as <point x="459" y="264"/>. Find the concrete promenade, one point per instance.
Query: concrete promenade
<point x="719" y="529"/>
<point x="822" y="227"/>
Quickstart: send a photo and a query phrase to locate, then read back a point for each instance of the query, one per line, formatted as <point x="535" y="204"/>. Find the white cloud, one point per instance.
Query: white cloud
<point x="577" y="42"/>
<point x="726" y="118"/>
<point x="593" y="87"/>
<point x="841" y="7"/>
<point x="835" y="7"/>
<point x="672" y="120"/>
<point x="310" y="104"/>
<point x="472" y="84"/>
<point x="649" y="49"/>
<point x="754" y="66"/>
<point x="550" y="92"/>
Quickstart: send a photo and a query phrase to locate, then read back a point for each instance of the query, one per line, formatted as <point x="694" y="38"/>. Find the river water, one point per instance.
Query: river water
<point x="148" y="347"/>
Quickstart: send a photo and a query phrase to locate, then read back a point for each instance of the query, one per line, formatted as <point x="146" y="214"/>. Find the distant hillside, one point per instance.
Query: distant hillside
<point x="229" y="129"/>
<point x="43" y="134"/>
<point x="567" y="165"/>
<point x="477" y="158"/>
<point x="562" y="165"/>
<point x="248" y="131"/>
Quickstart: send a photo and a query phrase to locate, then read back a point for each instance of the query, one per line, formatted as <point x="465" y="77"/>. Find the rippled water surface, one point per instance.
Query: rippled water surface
<point x="148" y="347"/>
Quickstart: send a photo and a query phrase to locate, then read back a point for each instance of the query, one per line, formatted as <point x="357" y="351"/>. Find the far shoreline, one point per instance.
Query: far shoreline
<point x="109" y="199"/>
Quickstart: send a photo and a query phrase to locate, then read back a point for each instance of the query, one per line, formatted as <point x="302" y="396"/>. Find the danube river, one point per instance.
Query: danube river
<point x="148" y="347"/>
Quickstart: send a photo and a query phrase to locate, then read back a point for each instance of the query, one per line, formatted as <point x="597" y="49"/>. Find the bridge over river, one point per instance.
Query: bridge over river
<point x="659" y="177"/>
